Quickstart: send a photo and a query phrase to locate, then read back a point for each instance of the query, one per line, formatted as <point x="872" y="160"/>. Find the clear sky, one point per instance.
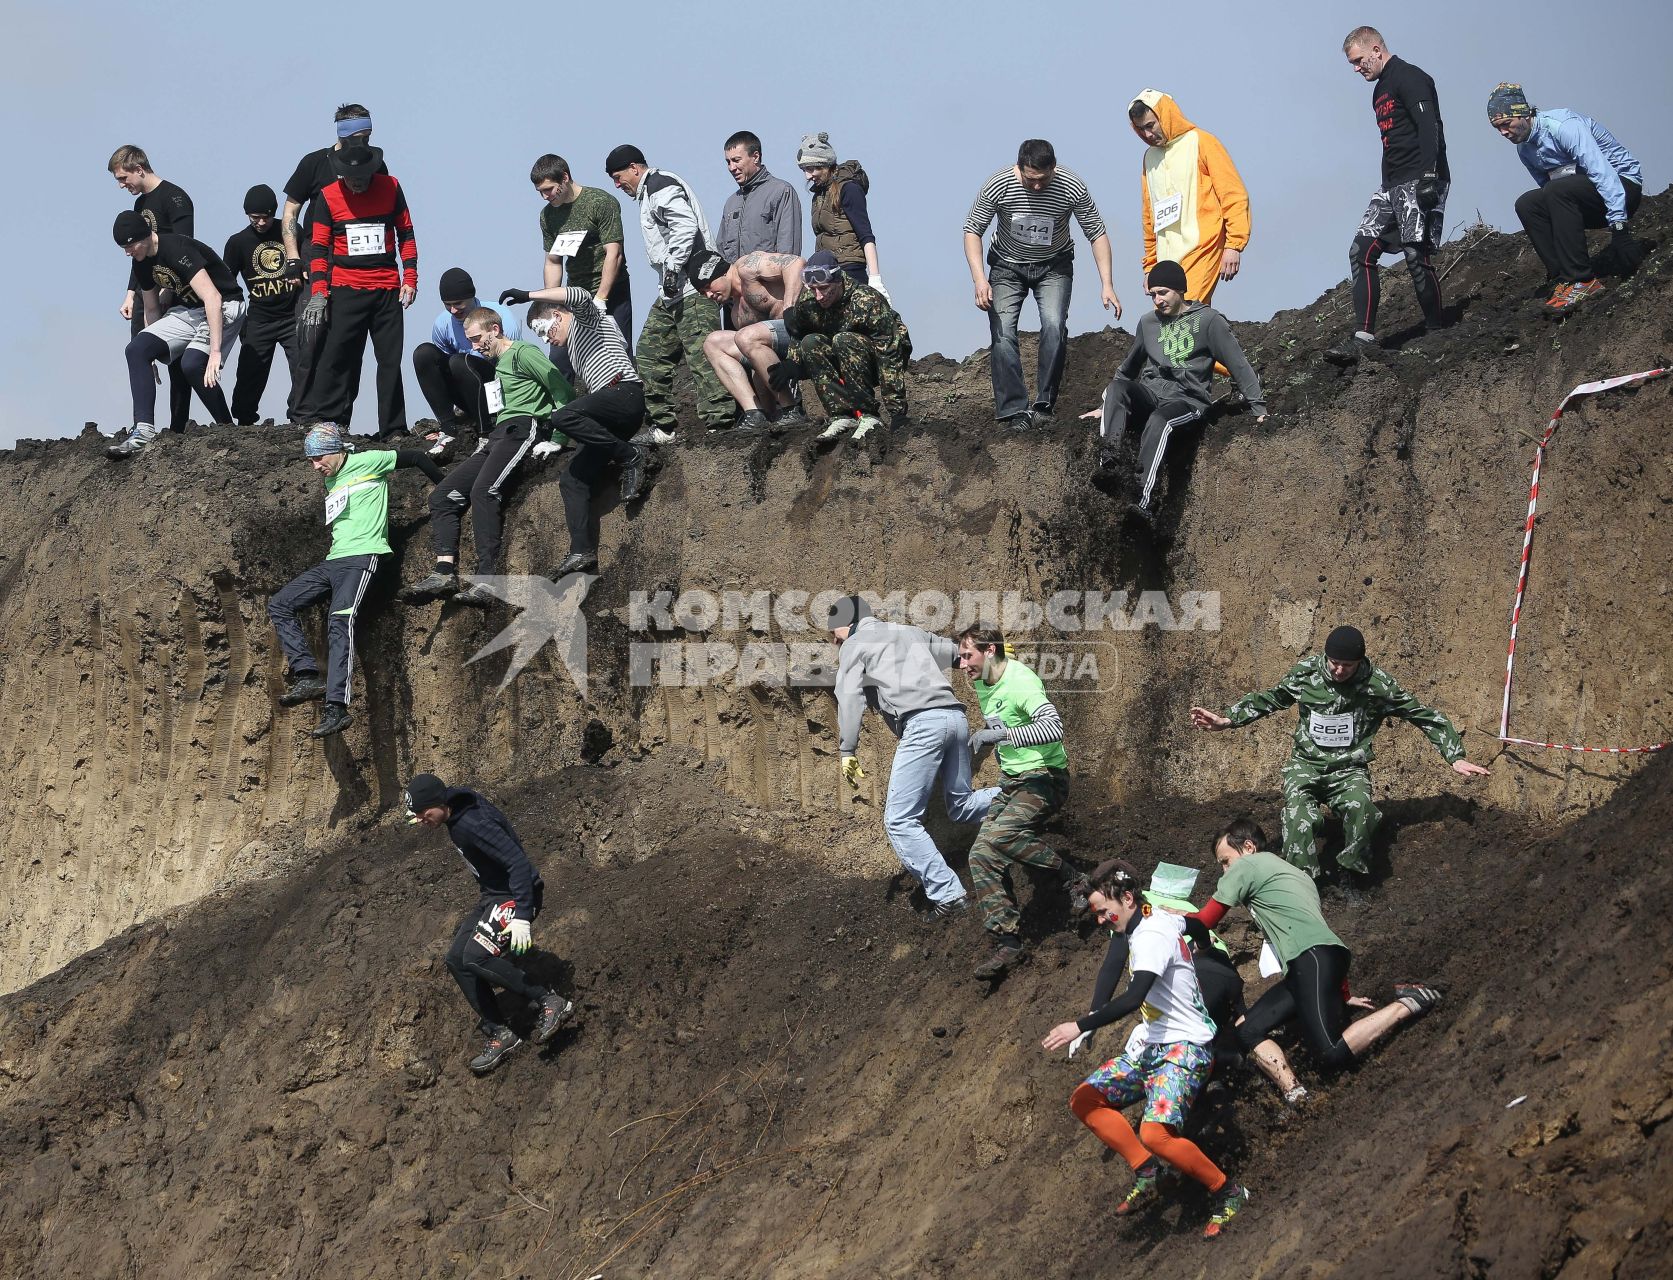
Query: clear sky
<point x="931" y="97"/>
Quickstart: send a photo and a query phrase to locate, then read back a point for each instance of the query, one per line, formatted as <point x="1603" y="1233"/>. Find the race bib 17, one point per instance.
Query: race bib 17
<point x="496" y="397"/>
<point x="566" y="244"/>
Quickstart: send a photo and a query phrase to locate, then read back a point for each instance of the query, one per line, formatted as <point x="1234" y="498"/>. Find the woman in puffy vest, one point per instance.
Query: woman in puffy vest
<point x="841" y="223"/>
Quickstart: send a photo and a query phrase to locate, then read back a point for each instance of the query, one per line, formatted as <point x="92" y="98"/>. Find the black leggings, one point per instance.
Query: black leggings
<point x="1366" y="279"/>
<point x="479" y="961"/>
<point x="1312" y="992"/>
<point x="147" y="349"/>
<point x="1222" y="995"/>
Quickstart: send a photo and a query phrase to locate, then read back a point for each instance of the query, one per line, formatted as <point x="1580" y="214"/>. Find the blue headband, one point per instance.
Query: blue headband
<point x="359" y="124"/>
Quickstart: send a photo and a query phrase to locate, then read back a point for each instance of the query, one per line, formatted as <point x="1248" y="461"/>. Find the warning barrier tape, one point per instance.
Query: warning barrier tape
<point x="1584" y="389"/>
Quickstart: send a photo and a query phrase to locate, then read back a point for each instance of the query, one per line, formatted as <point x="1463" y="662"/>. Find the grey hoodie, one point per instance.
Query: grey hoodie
<point x="896" y="669"/>
<point x="1175" y="358"/>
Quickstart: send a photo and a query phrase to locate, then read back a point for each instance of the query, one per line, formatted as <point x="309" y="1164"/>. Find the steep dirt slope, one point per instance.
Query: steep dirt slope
<point x="780" y="1073"/>
<point x="148" y="764"/>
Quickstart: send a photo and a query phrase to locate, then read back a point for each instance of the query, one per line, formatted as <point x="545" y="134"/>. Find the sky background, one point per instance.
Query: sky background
<point x="930" y="97"/>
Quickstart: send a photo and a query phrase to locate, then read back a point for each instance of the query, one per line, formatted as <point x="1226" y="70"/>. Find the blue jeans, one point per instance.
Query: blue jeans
<point x="934" y="744"/>
<point x="1050" y="283"/>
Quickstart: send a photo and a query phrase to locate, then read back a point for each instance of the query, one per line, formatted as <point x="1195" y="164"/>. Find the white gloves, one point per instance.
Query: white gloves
<point x="1079" y="1043"/>
<point x="545" y="449"/>
<point x="519" y="931"/>
<point x="876" y="282"/>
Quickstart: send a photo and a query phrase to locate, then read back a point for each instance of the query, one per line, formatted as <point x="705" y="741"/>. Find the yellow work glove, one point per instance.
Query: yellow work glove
<point x="851" y="771"/>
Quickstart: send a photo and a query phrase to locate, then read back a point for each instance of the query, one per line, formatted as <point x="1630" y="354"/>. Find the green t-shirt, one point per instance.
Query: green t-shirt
<point x="357" y="505"/>
<point x="530" y="386"/>
<point x="1283" y="900"/>
<point x="1014" y="700"/>
<point x="589" y="222"/>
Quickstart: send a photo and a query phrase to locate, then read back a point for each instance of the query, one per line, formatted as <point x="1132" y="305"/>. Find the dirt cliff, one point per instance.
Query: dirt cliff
<point x="779" y="1072"/>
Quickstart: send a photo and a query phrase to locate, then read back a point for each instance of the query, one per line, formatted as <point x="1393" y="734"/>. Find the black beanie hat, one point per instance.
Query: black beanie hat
<point x="1345" y="644"/>
<point x="1167" y="275"/>
<point x="457" y="285"/>
<point x="131" y="227"/>
<point x="426" y="791"/>
<point x="260" y="199"/>
<point x="622" y="156"/>
<point x="704" y="266"/>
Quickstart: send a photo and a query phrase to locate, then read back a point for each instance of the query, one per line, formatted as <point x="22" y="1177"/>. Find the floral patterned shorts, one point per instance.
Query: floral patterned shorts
<point x="1167" y="1076"/>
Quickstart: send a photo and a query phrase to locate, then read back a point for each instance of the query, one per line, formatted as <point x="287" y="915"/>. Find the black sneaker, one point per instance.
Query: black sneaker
<point x="750" y="420"/>
<point x="1346" y="353"/>
<point x="476" y="596"/>
<point x="633" y="476"/>
<point x="952" y="910"/>
<point x="1417" y="997"/>
<point x="501" y="1041"/>
<point x="334" y="719"/>
<point x="1018" y="421"/>
<point x="554" y="1012"/>
<point x="575" y="562"/>
<point x="794" y="416"/>
<point x="1043" y="417"/>
<point x="1006" y="955"/>
<point x="438" y="586"/>
<point x="302" y="689"/>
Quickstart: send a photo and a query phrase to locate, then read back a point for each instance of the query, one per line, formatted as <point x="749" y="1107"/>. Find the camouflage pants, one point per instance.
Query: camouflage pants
<point x="844" y="372"/>
<point x="1011" y="833"/>
<point x="1348" y="793"/>
<point x="674" y="331"/>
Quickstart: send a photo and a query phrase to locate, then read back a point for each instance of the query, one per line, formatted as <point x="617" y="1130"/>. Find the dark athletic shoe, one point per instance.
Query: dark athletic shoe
<point x="574" y="562"/>
<point x="1080" y="893"/>
<point x="1018" y="421"/>
<point x="1006" y="955"/>
<point x="501" y="1041"/>
<point x="1417" y="997"/>
<point x="1227" y="1201"/>
<point x="438" y="586"/>
<point x="750" y="420"/>
<point x="302" y="689"/>
<point x="1144" y="1192"/>
<point x="554" y="1012"/>
<point x="1346" y="353"/>
<point x="794" y="416"/>
<point x="953" y="910"/>
<point x="1043" y="417"/>
<point x="633" y="476"/>
<point x="334" y="719"/>
<point x="476" y="596"/>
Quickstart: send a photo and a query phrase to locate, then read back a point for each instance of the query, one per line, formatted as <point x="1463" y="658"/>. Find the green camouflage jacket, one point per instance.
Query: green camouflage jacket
<point x="1346" y="716"/>
<point x="863" y="311"/>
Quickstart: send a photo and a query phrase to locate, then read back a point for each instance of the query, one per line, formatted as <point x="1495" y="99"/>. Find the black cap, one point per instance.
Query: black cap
<point x="622" y="156"/>
<point x="425" y="791"/>
<point x="847" y="612"/>
<point x="457" y="285"/>
<point x="1167" y="275"/>
<point x="260" y="199"/>
<point x="356" y="160"/>
<point x="131" y="227"/>
<point x="1345" y="644"/>
<point x="704" y="267"/>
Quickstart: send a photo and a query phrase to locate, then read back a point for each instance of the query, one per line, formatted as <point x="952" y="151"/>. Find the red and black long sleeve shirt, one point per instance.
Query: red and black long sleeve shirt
<point x="363" y="240"/>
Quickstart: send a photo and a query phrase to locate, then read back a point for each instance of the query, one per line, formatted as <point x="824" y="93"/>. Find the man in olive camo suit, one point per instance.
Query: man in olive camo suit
<point x="1025" y="729"/>
<point x="852" y="344"/>
<point x="1342" y="700"/>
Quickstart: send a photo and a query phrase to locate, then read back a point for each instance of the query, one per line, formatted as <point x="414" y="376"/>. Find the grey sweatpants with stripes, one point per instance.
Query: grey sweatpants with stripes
<point x="344" y="583"/>
<point x="480" y="482"/>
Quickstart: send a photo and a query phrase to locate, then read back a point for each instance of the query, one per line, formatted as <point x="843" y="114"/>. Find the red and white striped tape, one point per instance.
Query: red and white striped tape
<point x="1584" y="389"/>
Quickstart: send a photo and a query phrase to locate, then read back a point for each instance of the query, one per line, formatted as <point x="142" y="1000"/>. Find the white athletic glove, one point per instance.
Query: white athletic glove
<point x="519" y="931"/>
<point x="1079" y="1043"/>
<point x="545" y="449"/>
<point x="876" y="282"/>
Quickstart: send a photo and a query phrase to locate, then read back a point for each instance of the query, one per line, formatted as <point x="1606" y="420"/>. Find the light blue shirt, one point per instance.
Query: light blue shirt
<point x="1564" y="139"/>
<point x="448" y="332"/>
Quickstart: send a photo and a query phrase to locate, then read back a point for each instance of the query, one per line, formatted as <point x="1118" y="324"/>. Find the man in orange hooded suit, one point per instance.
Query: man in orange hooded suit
<point x="1196" y="208"/>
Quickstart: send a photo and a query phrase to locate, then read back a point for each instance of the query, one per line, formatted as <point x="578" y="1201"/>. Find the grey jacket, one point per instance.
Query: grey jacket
<point x="763" y="214"/>
<point x="672" y="223"/>
<point x="1175" y="358"/>
<point x="895" y="669"/>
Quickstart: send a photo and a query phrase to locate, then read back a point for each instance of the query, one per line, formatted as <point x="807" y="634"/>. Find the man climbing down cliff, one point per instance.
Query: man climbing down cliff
<point x="500" y="925"/>
<point x="1343" y="700"/>
<point x="357" y="513"/>
<point x="1165" y="1068"/>
<point x="901" y="672"/>
<point x="1025" y="729"/>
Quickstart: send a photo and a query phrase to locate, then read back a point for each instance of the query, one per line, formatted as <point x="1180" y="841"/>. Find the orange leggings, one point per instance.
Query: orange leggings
<point x="1164" y="1140"/>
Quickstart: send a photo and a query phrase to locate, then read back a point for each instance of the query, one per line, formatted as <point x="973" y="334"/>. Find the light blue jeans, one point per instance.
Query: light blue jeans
<point x="935" y="744"/>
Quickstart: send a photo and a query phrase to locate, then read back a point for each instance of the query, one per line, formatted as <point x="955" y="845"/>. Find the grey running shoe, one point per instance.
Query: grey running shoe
<point x="501" y="1041"/>
<point x="334" y="719"/>
<point x="134" y="442"/>
<point x="794" y="416"/>
<point x="1347" y="352"/>
<point x="652" y="435"/>
<point x="438" y="586"/>
<point x="1006" y="955"/>
<point x="555" y="1011"/>
<point x="952" y="910"/>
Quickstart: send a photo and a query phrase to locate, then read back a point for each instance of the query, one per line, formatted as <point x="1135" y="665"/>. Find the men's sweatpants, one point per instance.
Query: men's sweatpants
<point x="674" y="332"/>
<point x="934" y="747"/>
<point x="356" y="314"/>
<point x="1126" y="399"/>
<point x="263" y="331"/>
<point x="601" y="424"/>
<point x="480" y="482"/>
<point x="344" y="583"/>
<point x="1556" y="216"/>
<point x="844" y="372"/>
<point x="454" y="380"/>
<point x="480" y="959"/>
<point x="1011" y="833"/>
<point x="1347" y="791"/>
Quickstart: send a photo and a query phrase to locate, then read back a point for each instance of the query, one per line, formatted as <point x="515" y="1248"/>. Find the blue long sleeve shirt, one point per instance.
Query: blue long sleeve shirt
<point x="1563" y="141"/>
<point x="448" y="332"/>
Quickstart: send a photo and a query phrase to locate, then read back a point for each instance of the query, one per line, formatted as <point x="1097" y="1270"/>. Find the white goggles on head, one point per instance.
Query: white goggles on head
<point x="542" y="327"/>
